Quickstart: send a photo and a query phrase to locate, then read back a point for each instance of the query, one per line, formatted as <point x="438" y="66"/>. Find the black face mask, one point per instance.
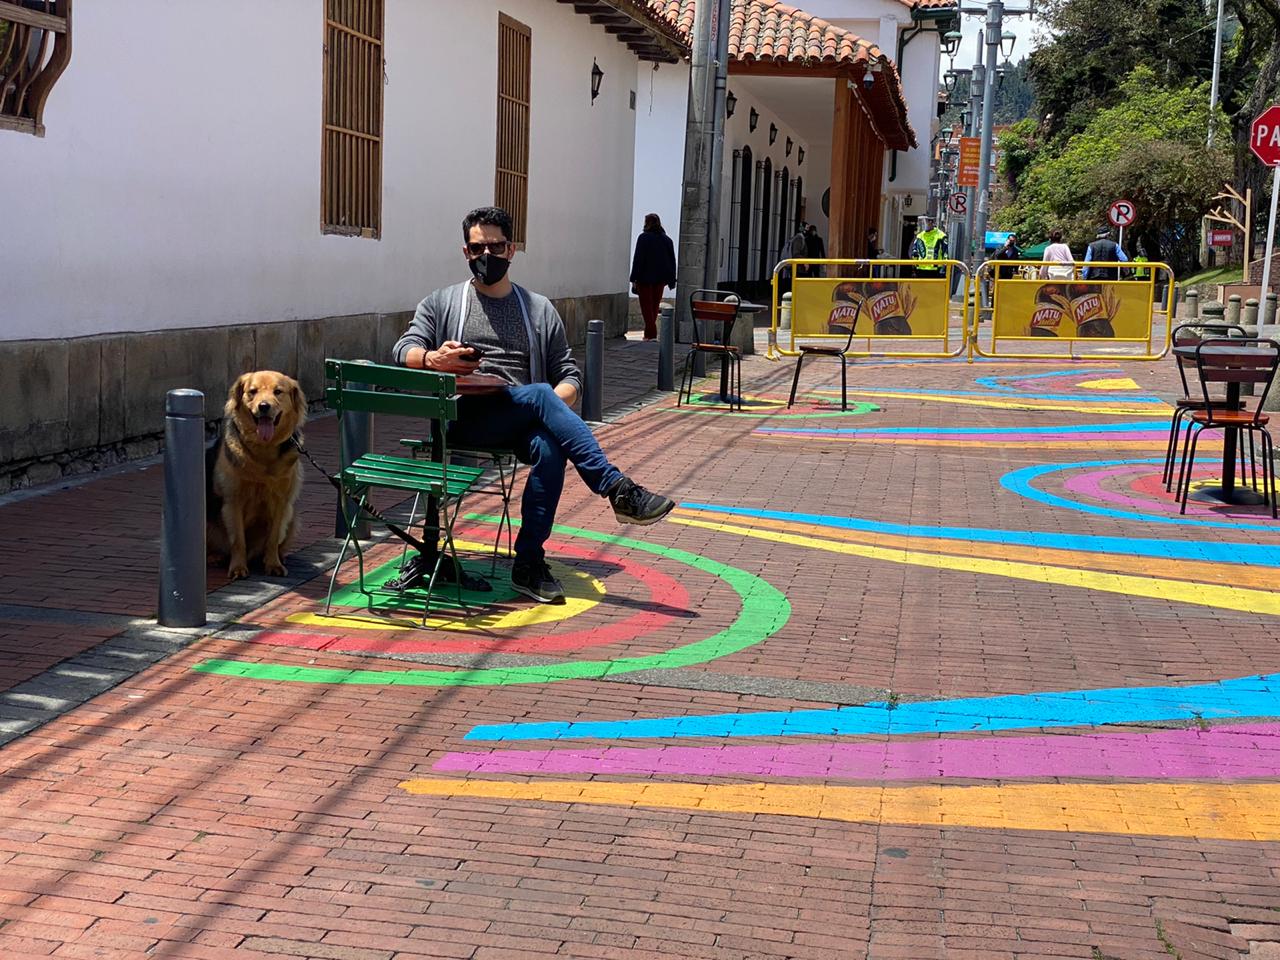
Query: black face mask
<point x="488" y="269"/>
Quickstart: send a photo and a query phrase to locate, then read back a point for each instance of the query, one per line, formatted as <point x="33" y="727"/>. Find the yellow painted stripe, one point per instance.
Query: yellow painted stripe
<point x="1110" y="383"/>
<point x="582" y="592"/>
<point x="1210" y="811"/>
<point x="1264" y="578"/>
<point x="1010" y="404"/>
<point x="1178" y="591"/>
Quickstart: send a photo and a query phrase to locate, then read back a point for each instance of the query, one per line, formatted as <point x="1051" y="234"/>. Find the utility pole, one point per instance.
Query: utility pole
<point x="704" y="126"/>
<point x="977" y="81"/>
<point x="1217" y="63"/>
<point x="995" y="19"/>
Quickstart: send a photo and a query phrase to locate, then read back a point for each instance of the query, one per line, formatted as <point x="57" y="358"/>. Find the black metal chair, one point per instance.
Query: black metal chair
<point x="1190" y="334"/>
<point x="706" y="313"/>
<point x="1256" y="361"/>
<point x="826" y="350"/>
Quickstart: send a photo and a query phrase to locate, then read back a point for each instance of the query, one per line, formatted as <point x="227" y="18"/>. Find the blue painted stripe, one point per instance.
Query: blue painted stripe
<point x="1104" y="400"/>
<point x="1021" y="483"/>
<point x="1255" y="696"/>
<point x="1161" y="426"/>
<point x="1251" y="554"/>
<point x="994" y="382"/>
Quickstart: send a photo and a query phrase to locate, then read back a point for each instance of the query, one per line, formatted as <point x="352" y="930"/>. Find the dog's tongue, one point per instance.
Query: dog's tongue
<point x="266" y="429"/>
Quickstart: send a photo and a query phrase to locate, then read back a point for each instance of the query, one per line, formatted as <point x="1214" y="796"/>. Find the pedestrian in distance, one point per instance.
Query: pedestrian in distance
<point x="815" y="249"/>
<point x="797" y="249"/>
<point x="930" y="244"/>
<point x="873" y="251"/>
<point x="1062" y="260"/>
<point x="1103" y="250"/>
<point x="653" y="269"/>
<point x="492" y="325"/>
<point x="1010" y="251"/>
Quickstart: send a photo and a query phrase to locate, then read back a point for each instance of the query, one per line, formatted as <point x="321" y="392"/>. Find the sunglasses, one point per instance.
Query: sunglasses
<point x="497" y="248"/>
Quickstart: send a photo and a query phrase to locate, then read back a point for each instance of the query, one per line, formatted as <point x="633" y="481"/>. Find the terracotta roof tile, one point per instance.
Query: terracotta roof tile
<point x="767" y="31"/>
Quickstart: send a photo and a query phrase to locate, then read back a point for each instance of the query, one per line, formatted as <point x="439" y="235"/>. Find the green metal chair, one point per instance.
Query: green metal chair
<point x="375" y="388"/>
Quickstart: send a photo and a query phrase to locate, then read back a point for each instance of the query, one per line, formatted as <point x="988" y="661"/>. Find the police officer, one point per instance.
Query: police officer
<point x="930" y="244"/>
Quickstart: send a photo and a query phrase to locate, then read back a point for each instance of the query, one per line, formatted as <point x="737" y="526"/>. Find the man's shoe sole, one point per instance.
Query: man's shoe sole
<point x="534" y="595"/>
<point x="643" y="521"/>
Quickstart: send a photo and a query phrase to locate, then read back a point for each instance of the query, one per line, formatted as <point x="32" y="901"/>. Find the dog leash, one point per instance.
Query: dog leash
<point x="338" y="485"/>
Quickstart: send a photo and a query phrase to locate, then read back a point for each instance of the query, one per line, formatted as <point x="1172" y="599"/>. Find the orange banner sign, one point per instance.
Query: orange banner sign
<point x="970" y="161"/>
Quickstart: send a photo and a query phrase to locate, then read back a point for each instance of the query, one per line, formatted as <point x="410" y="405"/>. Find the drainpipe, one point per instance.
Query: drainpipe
<point x="944" y="19"/>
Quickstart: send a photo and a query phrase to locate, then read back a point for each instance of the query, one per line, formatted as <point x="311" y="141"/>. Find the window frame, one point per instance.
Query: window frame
<point x="511" y="151"/>
<point x="39" y="83"/>
<point x="344" y="193"/>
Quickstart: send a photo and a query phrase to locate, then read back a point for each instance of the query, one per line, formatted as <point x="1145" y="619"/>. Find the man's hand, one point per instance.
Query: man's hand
<point x="452" y="357"/>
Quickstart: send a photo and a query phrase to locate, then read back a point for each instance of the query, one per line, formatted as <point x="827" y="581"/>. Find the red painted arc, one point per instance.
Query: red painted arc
<point x="662" y="588"/>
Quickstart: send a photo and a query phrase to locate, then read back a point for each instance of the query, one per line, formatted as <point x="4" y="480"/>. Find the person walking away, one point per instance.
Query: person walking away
<point x="815" y="249"/>
<point x="1103" y="250"/>
<point x="1010" y="251"/>
<point x="873" y="251"/>
<point x="521" y="339"/>
<point x="1062" y="265"/>
<point x="797" y="249"/>
<point x="929" y="244"/>
<point x="653" y="269"/>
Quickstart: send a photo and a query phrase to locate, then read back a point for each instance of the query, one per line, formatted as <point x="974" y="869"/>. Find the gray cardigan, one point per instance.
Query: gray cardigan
<point x="441" y="316"/>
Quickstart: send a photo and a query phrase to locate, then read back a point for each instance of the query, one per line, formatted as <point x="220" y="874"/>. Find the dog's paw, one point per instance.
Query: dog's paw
<point x="237" y="570"/>
<point x="275" y="568"/>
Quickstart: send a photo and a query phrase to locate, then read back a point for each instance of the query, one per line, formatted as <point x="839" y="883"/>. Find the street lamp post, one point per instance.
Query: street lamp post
<point x="1217" y="63"/>
<point x="998" y="41"/>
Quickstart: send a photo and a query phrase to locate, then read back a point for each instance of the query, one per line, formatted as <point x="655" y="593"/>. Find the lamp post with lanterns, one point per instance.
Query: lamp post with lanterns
<point x="999" y="42"/>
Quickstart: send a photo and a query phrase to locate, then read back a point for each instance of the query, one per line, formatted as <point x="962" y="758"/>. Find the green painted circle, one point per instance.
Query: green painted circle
<point x="764" y="612"/>
<point x="716" y="407"/>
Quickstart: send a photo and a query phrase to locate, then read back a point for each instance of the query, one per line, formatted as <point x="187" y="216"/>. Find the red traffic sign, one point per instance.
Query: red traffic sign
<point x="957" y="203"/>
<point x="1221" y="238"/>
<point x="1264" y="136"/>
<point x="1122" y="213"/>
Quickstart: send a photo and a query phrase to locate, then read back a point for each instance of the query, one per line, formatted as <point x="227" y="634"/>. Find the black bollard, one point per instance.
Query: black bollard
<point x="182" y="519"/>
<point x="666" y="348"/>
<point x="593" y="386"/>
<point x="355" y="439"/>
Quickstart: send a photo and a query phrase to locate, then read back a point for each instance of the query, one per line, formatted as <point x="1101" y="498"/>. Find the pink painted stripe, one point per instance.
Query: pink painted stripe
<point x="1235" y="751"/>
<point x="1090" y="485"/>
<point x="1040" y="438"/>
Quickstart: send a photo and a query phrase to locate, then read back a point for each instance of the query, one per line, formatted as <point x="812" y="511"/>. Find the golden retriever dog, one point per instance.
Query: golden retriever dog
<point x="253" y="474"/>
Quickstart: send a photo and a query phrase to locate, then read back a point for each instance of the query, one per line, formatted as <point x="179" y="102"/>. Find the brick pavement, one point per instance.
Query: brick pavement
<point x="297" y="787"/>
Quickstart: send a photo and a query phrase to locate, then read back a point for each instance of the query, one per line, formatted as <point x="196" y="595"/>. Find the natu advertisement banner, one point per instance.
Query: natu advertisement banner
<point x="880" y="306"/>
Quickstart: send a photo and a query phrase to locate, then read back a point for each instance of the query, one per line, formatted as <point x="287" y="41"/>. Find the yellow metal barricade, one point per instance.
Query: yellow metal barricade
<point x="1070" y="310"/>
<point x="829" y="295"/>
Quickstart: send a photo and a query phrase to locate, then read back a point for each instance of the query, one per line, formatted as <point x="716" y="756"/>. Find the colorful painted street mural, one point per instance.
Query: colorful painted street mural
<point x="1129" y="490"/>
<point x="1184" y="769"/>
<point x="502" y="626"/>
<point x="1228" y="576"/>
<point x="1080" y="389"/>
<point x="773" y="406"/>
<point x="1144" y="435"/>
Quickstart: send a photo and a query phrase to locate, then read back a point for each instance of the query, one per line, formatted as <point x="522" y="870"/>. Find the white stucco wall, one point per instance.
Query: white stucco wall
<point x="662" y="98"/>
<point x="178" y="184"/>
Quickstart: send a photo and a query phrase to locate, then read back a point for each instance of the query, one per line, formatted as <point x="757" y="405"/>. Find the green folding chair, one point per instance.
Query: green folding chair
<point x="375" y="388"/>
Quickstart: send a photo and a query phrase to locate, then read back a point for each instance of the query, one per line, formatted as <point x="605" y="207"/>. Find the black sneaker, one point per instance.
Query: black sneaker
<point x="416" y="571"/>
<point x="533" y="578"/>
<point x="632" y="503"/>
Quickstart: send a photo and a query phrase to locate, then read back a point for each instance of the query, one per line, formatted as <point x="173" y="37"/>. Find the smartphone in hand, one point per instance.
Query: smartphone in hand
<point x="477" y="352"/>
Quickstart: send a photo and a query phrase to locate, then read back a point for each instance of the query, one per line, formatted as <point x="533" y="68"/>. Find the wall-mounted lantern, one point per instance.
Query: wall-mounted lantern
<point x="596" y="76"/>
<point x="773" y="133"/>
<point x="789" y="146"/>
<point x="730" y="103"/>
<point x="753" y="118"/>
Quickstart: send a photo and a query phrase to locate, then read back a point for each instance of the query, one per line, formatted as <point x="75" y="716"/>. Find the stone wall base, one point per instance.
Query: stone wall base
<point x="69" y="407"/>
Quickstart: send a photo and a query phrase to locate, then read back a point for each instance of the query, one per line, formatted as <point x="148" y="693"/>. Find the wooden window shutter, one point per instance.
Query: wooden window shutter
<point x="35" y="47"/>
<point x="511" y="183"/>
<point x="351" y="151"/>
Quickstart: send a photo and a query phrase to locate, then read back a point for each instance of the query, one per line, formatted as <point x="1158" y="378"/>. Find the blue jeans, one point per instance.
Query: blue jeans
<point x="544" y="432"/>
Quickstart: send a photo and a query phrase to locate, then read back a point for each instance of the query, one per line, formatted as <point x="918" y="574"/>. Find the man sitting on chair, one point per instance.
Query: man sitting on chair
<point x="522" y="340"/>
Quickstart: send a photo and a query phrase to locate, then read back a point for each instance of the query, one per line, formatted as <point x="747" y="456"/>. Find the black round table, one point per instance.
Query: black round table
<point x="1227" y="491"/>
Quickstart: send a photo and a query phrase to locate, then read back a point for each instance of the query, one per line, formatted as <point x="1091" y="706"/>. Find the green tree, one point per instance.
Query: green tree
<point x="1148" y="147"/>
